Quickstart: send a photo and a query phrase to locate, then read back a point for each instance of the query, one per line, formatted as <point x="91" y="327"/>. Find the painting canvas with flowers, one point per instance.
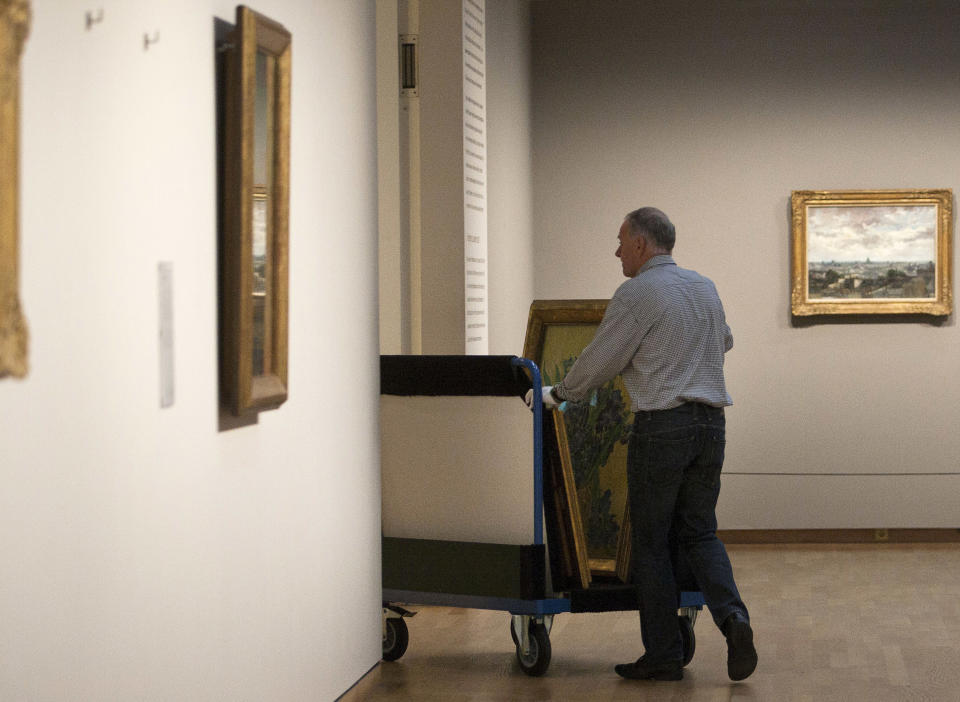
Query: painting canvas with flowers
<point x="597" y="430"/>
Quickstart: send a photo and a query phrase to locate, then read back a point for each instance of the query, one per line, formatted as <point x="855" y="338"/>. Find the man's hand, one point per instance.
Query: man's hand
<point x="549" y="399"/>
<point x="546" y="397"/>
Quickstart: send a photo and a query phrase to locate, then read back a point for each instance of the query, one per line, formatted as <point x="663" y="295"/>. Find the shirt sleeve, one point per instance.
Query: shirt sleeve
<point x="613" y="347"/>
<point x="727" y="338"/>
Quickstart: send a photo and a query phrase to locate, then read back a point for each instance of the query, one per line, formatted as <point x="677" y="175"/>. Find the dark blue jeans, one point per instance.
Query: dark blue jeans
<point x="673" y="472"/>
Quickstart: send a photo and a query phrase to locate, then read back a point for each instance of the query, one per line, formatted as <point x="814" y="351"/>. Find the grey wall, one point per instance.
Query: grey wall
<point x="441" y="182"/>
<point x="715" y="112"/>
<point x="509" y="173"/>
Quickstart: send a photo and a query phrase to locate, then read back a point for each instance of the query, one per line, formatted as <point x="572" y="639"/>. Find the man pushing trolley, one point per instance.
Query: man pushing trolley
<point x="665" y="332"/>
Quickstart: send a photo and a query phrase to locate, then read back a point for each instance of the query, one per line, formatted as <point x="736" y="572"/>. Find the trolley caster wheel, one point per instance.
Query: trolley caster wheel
<point x="537" y="659"/>
<point x="395" y="638"/>
<point x="688" y="638"/>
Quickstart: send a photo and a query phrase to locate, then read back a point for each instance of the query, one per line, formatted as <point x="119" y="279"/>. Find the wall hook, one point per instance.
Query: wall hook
<point x="148" y="40"/>
<point x="93" y="19"/>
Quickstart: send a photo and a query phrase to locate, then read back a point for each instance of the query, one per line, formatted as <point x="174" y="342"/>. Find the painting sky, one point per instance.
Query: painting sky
<point x="880" y="233"/>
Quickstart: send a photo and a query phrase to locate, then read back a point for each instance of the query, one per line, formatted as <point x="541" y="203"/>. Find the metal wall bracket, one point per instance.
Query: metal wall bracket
<point x="409" y="66"/>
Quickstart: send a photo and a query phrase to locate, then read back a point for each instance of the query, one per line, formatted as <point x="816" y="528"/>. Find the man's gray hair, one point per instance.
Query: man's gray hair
<point x="654" y="226"/>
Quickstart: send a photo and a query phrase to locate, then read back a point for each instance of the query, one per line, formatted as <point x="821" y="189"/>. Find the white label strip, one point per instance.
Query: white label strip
<point x="165" y="295"/>
<point x="475" y="177"/>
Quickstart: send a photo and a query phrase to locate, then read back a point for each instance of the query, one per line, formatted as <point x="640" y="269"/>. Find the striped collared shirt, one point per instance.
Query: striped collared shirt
<point x="666" y="333"/>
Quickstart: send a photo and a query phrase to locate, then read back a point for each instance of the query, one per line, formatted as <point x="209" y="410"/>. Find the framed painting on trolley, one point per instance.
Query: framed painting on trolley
<point x="592" y="435"/>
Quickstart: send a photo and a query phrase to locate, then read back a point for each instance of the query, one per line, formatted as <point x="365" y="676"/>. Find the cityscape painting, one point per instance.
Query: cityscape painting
<point x="868" y="252"/>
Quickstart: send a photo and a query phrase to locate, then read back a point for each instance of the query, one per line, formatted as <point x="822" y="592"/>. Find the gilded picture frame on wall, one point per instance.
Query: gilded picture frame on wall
<point x="254" y="244"/>
<point x="863" y="252"/>
<point x="14" y="28"/>
<point x="592" y="435"/>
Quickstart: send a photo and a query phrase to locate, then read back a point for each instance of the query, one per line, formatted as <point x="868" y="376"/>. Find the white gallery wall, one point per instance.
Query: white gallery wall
<point x="510" y="223"/>
<point x="146" y="554"/>
<point x="715" y="112"/>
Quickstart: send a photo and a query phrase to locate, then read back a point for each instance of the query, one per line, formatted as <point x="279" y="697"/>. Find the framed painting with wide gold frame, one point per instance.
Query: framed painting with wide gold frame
<point x="255" y="232"/>
<point x="861" y="252"/>
<point x="14" y="27"/>
<point x="592" y="435"/>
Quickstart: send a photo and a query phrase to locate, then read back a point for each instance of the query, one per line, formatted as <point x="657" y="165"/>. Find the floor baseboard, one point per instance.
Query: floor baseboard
<point x="358" y="690"/>
<point x="838" y="536"/>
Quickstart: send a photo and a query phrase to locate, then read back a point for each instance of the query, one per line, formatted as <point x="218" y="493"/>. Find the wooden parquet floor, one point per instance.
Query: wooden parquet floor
<point x="879" y="623"/>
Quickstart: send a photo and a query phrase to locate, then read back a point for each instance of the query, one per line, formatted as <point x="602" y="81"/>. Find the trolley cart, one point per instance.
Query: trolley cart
<point x="515" y="577"/>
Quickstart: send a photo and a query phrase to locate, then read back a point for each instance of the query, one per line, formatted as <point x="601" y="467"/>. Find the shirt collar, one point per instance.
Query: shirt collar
<point x="658" y="260"/>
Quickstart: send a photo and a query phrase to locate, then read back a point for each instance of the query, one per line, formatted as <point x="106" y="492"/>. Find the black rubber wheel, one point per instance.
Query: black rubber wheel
<point x="395" y="639"/>
<point x="513" y="635"/>
<point x="536" y="662"/>
<point x="688" y="637"/>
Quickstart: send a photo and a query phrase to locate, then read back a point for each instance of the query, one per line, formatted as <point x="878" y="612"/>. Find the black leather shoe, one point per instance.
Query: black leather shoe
<point x="641" y="670"/>
<point x="741" y="654"/>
